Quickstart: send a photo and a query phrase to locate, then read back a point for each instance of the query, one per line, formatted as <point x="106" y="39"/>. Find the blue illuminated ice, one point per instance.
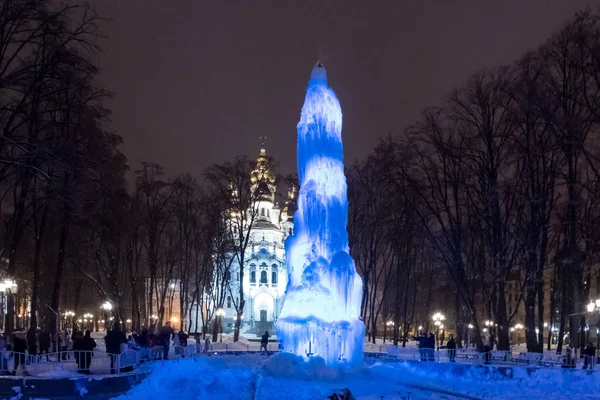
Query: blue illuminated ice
<point x="321" y="311"/>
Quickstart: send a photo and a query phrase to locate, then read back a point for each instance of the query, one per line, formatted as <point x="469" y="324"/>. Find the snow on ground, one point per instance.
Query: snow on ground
<point x="283" y="376"/>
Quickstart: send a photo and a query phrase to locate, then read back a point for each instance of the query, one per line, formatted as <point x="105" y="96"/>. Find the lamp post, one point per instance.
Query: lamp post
<point x="490" y="326"/>
<point x="106" y="308"/>
<point x="593" y="306"/>
<point x="517" y="328"/>
<point x="437" y="321"/>
<point x="469" y="335"/>
<point x="88" y="318"/>
<point x="7" y="287"/>
<point x="390" y="324"/>
<point x="69" y="315"/>
<point x="221" y="314"/>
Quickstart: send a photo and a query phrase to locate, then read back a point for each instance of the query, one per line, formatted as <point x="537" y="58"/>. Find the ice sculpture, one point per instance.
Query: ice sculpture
<point x="321" y="311"/>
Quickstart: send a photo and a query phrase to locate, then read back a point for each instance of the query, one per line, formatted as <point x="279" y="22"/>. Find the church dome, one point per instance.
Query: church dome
<point x="263" y="178"/>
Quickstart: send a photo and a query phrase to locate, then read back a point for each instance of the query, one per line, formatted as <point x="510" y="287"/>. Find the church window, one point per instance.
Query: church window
<point x="262" y="212"/>
<point x="274" y="275"/>
<point x="263" y="276"/>
<point x="228" y="301"/>
<point x="268" y="213"/>
<point x="252" y="274"/>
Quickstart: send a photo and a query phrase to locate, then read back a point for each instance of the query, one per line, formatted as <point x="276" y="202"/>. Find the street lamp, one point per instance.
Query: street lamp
<point x="591" y="308"/>
<point x="221" y="314"/>
<point x="470" y="326"/>
<point x="106" y="307"/>
<point x="7" y="287"/>
<point x="490" y="324"/>
<point x="88" y="317"/>
<point x="517" y="328"/>
<point x="389" y="323"/>
<point x="437" y="321"/>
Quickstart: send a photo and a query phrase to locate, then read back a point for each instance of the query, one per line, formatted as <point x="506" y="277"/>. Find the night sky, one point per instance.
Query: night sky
<point x="197" y="82"/>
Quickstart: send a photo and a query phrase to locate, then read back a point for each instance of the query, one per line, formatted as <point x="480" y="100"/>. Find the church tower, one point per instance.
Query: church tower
<point x="265" y="271"/>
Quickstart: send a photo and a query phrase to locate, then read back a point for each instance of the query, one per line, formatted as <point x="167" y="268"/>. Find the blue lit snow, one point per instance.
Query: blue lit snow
<point x="286" y="376"/>
<point x="321" y="310"/>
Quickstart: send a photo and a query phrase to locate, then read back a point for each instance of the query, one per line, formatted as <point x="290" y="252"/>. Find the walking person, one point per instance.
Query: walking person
<point x="114" y="339"/>
<point x="144" y="340"/>
<point x="19" y="348"/>
<point x="31" y="343"/>
<point x="589" y="356"/>
<point x="63" y="341"/>
<point x="451" y="347"/>
<point x="430" y="345"/>
<point x="264" y="341"/>
<point x="422" y="339"/>
<point x="3" y="356"/>
<point x="44" y="341"/>
<point x="85" y="345"/>
<point x="165" y="333"/>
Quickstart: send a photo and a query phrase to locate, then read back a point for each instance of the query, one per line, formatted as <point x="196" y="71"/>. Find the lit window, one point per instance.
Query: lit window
<point x="274" y="274"/>
<point x="263" y="276"/>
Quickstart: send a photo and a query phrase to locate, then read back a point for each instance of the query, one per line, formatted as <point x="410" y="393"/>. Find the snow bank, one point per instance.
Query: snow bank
<point x="205" y="378"/>
<point x="285" y="375"/>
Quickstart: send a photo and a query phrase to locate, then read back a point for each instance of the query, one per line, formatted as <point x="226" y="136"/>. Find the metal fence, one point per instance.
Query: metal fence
<point x="496" y="357"/>
<point x="65" y="363"/>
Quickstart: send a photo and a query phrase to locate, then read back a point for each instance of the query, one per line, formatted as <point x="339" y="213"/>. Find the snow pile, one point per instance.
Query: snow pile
<point x="285" y="375"/>
<point x="291" y="366"/>
<point x="198" y="378"/>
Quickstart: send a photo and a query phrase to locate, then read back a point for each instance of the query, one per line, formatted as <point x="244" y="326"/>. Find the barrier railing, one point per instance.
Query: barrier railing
<point x="498" y="357"/>
<point x="98" y="362"/>
<point x="76" y="361"/>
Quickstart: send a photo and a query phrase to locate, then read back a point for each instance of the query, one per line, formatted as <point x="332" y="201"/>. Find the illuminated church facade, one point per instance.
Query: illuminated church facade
<point x="265" y="271"/>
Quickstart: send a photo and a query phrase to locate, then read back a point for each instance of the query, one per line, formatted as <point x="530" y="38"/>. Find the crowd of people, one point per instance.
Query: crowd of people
<point x="37" y="344"/>
<point x="34" y="345"/>
<point x="427" y="347"/>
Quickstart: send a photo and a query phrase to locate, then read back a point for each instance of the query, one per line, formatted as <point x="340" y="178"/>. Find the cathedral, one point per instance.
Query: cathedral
<point x="265" y="271"/>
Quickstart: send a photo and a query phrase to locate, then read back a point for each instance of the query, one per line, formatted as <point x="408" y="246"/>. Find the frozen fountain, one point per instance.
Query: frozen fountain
<point x="321" y="310"/>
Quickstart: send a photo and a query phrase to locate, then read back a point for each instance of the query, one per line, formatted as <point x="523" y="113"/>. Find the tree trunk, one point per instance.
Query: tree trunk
<point x="552" y="307"/>
<point x="62" y="245"/>
<point x="530" y="320"/>
<point x="40" y="230"/>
